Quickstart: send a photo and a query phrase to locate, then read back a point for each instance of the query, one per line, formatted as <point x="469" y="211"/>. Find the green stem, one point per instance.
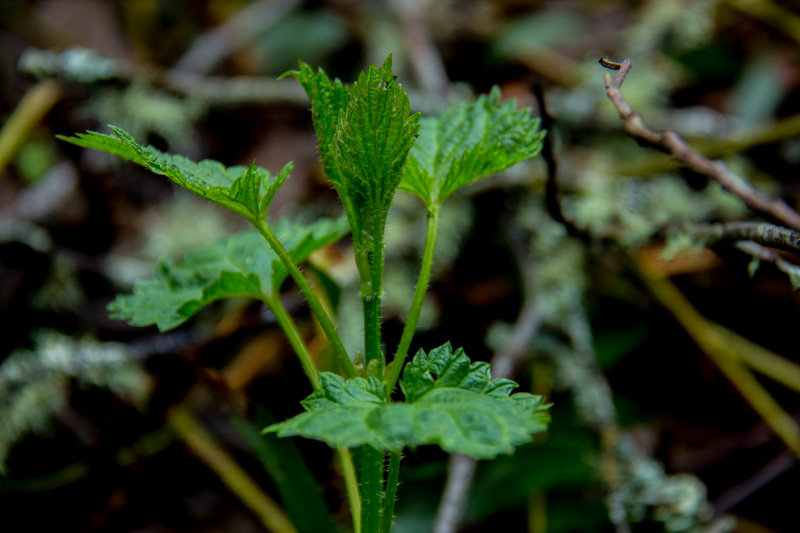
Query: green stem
<point x="311" y="298"/>
<point x="394" y="368"/>
<point x="372" y="462"/>
<point x="348" y="468"/>
<point x="392" y="481"/>
<point x="372" y="332"/>
<point x="290" y="329"/>
<point x="371" y="293"/>
<point x="351" y="485"/>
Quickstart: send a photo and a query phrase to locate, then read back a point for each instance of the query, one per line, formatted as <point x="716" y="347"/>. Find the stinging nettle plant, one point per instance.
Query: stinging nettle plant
<point x="370" y="146"/>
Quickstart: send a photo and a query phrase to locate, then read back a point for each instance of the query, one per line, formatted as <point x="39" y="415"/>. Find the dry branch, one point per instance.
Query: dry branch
<point x="672" y="144"/>
<point x="758" y="232"/>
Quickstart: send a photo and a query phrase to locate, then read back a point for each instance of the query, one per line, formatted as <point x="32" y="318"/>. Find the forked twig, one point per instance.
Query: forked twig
<point x="671" y="143"/>
<point x="761" y="253"/>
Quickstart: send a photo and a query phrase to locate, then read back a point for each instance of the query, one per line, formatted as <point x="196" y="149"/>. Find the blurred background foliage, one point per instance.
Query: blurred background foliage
<point x="105" y="427"/>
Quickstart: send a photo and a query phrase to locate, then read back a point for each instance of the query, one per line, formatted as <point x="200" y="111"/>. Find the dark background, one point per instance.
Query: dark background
<point x="92" y="450"/>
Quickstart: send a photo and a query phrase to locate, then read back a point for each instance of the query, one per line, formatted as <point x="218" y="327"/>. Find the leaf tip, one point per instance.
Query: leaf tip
<point x="270" y="429"/>
<point x="293" y="73"/>
<point x="287" y="169"/>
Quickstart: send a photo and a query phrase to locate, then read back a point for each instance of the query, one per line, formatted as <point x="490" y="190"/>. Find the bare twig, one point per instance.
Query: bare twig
<point x="506" y="360"/>
<point x="552" y="196"/>
<point x="232" y="90"/>
<point x="757" y="232"/>
<point x="460" y="471"/>
<point x="779" y="130"/>
<point x="760" y="253"/>
<point x="671" y="143"/>
<point x="736" y="494"/>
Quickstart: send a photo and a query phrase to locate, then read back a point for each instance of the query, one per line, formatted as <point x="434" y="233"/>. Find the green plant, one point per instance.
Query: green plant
<point x="370" y="146"/>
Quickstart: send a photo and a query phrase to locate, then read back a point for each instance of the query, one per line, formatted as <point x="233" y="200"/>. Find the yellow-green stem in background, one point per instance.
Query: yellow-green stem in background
<point x="348" y="468"/>
<point x="36" y="103"/>
<point x="203" y="444"/>
<point x="712" y="341"/>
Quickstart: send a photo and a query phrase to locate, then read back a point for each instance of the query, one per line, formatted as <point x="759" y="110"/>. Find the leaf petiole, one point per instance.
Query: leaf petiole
<point x="395" y="367"/>
<point x="311" y="298"/>
<point x="289" y="328"/>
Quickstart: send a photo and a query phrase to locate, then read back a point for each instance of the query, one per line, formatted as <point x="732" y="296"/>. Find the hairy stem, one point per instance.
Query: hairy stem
<point x="372" y="461"/>
<point x="293" y="335"/>
<point x="348" y="468"/>
<point x="311" y="298"/>
<point x="372" y="331"/>
<point x="393" y="371"/>
<point x="371" y="293"/>
<point x="392" y="481"/>
<point x="289" y="327"/>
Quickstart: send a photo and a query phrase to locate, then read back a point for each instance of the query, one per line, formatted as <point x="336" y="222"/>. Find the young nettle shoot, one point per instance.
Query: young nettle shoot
<point x="370" y="145"/>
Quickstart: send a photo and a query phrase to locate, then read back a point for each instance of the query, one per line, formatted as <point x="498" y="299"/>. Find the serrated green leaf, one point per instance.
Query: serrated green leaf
<point x="105" y="143"/>
<point x="364" y="136"/>
<point x="469" y="142"/>
<point x="442" y="368"/>
<point x="372" y="141"/>
<point x="241" y="265"/>
<point x="328" y="100"/>
<point x="247" y="191"/>
<point x="451" y="403"/>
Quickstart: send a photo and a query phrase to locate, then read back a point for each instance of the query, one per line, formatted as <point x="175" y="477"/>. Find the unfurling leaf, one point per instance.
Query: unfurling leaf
<point x="241" y="265"/>
<point x="364" y="135"/>
<point x="247" y="191"/>
<point x="469" y="142"/>
<point x="372" y="141"/>
<point x="450" y="402"/>
<point x="328" y="99"/>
